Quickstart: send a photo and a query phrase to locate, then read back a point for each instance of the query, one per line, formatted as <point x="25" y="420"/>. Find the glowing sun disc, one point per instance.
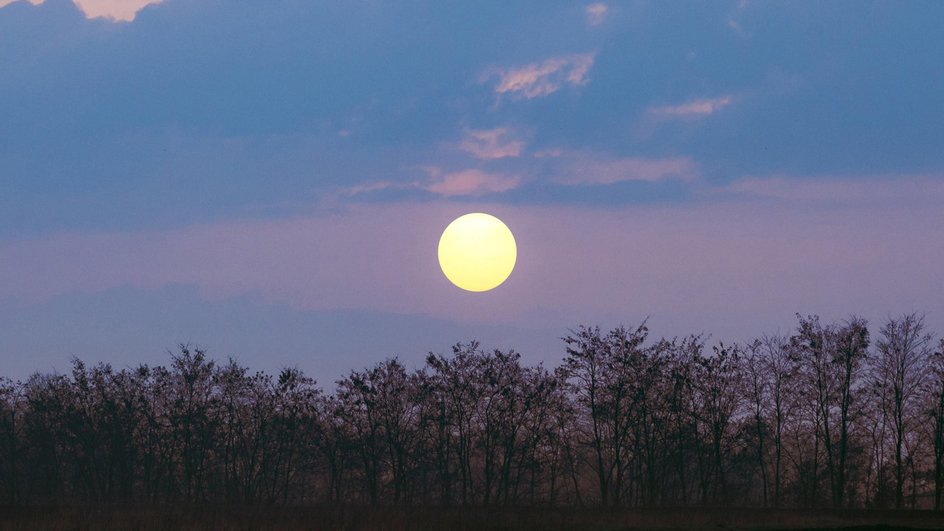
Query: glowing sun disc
<point x="477" y="252"/>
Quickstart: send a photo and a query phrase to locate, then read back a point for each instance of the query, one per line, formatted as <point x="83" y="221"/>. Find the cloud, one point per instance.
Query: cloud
<point x="116" y="10"/>
<point x="374" y="187"/>
<point x="694" y="108"/>
<point x="596" y="13"/>
<point x="119" y="10"/>
<point x="4" y="3"/>
<point x="540" y="79"/>
<point x="568" y="168"/>
<point x="491" y="143"/>
<point x="469" y="182"/>
<point x="472" y="182"/>
<point x="591" y="169"/>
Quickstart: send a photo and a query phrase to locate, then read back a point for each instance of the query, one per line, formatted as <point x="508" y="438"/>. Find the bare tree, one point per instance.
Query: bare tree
<point x="398" y="412"/>
<point x="359" y="408"/>
<point x="681" y="403"/>
<point x="935" y="397"/>
<point x="828" y="360"/>
<point x="717" y="382"/>
<point x="851" y="347"/>
<point x="10" y="404"/>
<point x="458" y="396"/>
<point x="780" y="373"/>
<point x="758" y="391"/>
<point x="901" y="368"/>
<point x="596" y="371"/>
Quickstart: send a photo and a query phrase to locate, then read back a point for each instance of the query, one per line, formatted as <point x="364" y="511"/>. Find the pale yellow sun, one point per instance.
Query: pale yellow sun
<point x="477" y="252"/>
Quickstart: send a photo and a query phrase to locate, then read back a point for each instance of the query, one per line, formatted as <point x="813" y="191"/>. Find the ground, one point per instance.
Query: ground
<point x="453" y="519"/>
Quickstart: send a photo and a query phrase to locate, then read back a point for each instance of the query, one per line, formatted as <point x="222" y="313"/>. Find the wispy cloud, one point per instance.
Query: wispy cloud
<point x="4" y="3"/>
<point x="376" y="186"/>
<point x="120" y="10"/>
<point x="540" y="79"/>
<point x="117" y="10"/>
<point x="596" y="13"/>
<point x="568" y="168"/>
<point x="469" y="182"/>
<point x="592" y="169"/>
<point x="694" y="108"/>
<point x="472" y="182"/>
<point x="491" y="143"/>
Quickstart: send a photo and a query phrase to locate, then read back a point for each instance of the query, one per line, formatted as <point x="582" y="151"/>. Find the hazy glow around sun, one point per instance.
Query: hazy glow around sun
<point x="477" y="252"/>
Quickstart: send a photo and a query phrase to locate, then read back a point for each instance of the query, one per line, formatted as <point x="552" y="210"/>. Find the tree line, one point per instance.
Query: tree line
<point x="830" y="415"/>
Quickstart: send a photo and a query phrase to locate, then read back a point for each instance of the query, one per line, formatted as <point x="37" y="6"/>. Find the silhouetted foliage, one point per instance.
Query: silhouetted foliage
<point x="822" y="418"/>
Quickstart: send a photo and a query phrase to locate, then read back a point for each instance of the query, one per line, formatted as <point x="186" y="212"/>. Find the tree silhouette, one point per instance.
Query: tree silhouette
<point x="822" y="418"/>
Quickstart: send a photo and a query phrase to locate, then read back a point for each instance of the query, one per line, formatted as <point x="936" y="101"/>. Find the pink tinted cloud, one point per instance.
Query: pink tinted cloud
<point x="708" y="266"/>
<point x="120" y="10"/>
<point x="596" y="13"/>
<point x="117" y="10"/>
<point x="540" y="79"/>
<point x="491" y="143"/>
<point x="694" y="108"/>
<point x="8" y="2"/>
<point x="469" y="182"/>
<point x="472" y="182"/>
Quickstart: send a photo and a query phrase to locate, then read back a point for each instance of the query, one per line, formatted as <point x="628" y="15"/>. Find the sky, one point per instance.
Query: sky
<point x="269" y="181"/>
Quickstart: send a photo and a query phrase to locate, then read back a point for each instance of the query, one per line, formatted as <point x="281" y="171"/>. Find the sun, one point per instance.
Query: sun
<point x="477" y="252"/>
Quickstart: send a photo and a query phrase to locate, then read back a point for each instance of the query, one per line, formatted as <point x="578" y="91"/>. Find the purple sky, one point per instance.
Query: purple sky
<point x="271" y="183"/>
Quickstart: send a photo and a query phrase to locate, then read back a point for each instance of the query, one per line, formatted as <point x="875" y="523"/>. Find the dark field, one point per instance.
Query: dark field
<point x="455" y="519"/>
